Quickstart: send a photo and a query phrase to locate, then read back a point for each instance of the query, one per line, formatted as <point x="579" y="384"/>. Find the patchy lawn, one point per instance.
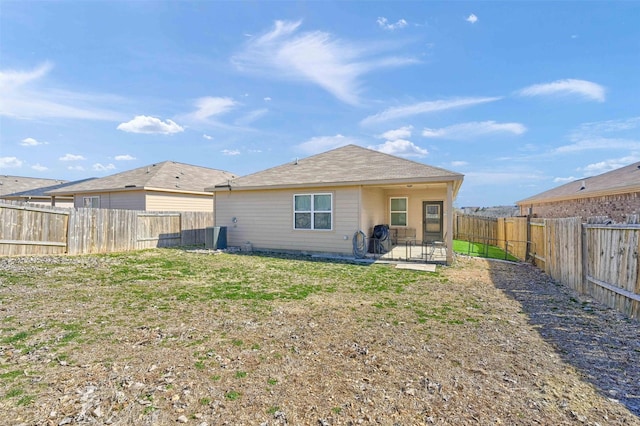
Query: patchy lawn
<point x="171" y="336"/>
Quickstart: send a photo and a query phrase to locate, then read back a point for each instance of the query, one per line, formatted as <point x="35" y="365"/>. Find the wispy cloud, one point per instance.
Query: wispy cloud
<point x="10" y="163"/>
<point x="31" y="142"/>
<point x="386" y="25"/>
<point x="459" y="163"/>
<point x="404" y="111"/>
<point x="76" y="168"/>
<point x="71" y="157"/>
<point x="251" y="117"/>
<point x="314" y="56"/>
<point x="207" y="137"/>
<point x="325" y="143"/>
<point x="103" y="167"/>
<point x="211" y="106"/>
<point x="472" y="18"/>
<point x="230" y="152"/>
<point x="598" y="143"/>
<point x="39" y="167"/>
<point x="401" y="148"/>
<point x="150" y="125"/>
<point x="28" y="95"/>
<point x="125" y="157"/>
<point x="581" y="88"/>
<point x="474" y="129"/>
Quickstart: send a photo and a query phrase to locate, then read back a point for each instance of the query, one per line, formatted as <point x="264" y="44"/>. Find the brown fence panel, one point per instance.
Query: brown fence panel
<point x="156" y="229"/>
<point x="563" y="244"/>
<point x="537" y="246"/>
<point x="31" y="230"/>
<point x="101" y="231"/>
<point x="515" y="236"/>
<point x="193" y="225"/>
<point x="612" y="266"/>
<point x="476" y="229"/>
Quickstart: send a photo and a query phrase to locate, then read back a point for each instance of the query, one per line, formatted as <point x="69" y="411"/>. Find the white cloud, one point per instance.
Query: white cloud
<point x="71" y="157"/>
<point x="210" y="106"/>
<point x="26" y="95"/>
<point x="474" y="129"/>
<point x="125" y="157"/>
<point x="424" y="108"/>
<point x="39" y="167"/>
<point x="207" y="137"/>
<point x="385" y="25"/>
<point x="401" y="133"/>
<point x="562" y="180"/>
<point x="314" y="56"/>
<point x="76" y="168"/>
<point x="150" y="125"/>
<point x="325" y="143"/>
<point x="459" y="163"/>
<point x="597" y="143"/>
<point x="103" y="167"/>
<point x="582" y="88"/>
<point x="472" y="18"/>
<point x="401" y="148"/>
<point x="267" y="99"/>
<point x="608" y="165"/>
<point x="31" y="142"/>
<point x="10" y="163"/>
<point x="230" y="152"/>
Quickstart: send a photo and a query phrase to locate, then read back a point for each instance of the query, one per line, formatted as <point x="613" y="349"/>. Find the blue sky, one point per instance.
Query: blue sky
<point x="520" y="97"/>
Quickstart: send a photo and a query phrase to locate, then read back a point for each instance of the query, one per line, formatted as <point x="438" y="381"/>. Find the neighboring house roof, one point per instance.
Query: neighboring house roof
<point x="12" y="184"/>
<point x="168" y="176"/>
<point x="619" y="181"/>
<point x="43" y="191"/>
<point x="348" y="165"/>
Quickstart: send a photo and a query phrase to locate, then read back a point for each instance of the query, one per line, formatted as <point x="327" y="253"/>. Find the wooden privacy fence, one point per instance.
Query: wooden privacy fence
<point x="29" y="230"/>
<point x="600" y="260"/>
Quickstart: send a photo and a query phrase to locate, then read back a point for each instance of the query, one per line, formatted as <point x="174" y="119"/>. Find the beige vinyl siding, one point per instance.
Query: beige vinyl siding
<point x="265" y="219"/>
<point x="415" y="199"/>
<point x="373" y="211"/>
<point x="167" y="201"/>
<point x="125" y="200"/>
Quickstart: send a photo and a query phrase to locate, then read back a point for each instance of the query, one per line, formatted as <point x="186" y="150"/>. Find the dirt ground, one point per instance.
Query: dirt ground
<point x="480" y="342"/>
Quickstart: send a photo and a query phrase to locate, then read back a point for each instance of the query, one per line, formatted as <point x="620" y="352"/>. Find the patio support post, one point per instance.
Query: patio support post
<point x="449" y="223"/>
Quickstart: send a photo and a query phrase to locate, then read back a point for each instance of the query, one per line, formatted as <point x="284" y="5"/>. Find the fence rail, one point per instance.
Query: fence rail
<point x="32" y="230"/>
<point x="597" y="258"/>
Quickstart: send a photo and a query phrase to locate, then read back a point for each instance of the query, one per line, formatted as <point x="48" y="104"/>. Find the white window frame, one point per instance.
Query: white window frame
<point x="312" y="212"/>
<point x="406" y="211"/>
<point x="95" y="199"/>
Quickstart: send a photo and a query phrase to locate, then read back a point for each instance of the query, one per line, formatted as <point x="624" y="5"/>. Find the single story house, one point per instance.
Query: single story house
<point x="317" y="204"/>
<point x="615" y="194"/>
<point x="39" y="195"/>
<point x="14" y="184"/>
<point x="166" y="186"/>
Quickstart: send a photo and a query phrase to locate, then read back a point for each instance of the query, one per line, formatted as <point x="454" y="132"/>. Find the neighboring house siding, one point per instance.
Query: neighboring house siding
<point x="166" y="201"/>
<point x="616" y="207"/>
<point x="126" y="200"/>
<point x="265" y="219"/>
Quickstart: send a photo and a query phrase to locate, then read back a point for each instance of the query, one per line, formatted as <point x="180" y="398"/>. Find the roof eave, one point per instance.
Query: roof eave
<point x="581" y="195"/>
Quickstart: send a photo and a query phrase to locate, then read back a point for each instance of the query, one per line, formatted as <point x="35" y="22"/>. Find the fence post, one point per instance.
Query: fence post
<point x="585" y="258"/>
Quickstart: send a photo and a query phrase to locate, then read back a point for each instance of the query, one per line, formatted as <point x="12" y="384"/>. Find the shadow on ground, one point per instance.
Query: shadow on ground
<point x="601" y="343"/>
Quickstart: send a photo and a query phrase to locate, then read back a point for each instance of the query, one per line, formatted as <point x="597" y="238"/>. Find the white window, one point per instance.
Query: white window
<point x="399" y="211"/>
<point x="312" y="211"/>
<point x="92" y="202"/>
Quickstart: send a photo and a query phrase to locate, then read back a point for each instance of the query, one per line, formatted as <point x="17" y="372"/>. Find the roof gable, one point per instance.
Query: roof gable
<point x="12" y="184"/>
<point x="350" y="164"/>
<point x="168" y="175"/>
<point x="624" y="179"/>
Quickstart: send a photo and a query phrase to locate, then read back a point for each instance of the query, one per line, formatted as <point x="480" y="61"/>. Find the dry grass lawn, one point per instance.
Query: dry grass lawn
<point x="168" y="336"/>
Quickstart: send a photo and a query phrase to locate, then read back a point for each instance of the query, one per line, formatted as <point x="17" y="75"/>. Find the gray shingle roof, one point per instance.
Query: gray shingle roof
<point x="168" y="175"/>
<point x="43" y="191"/>
<point x="622" y="180"/>
<point x="11" y="184"/>
<point x="348" y="165"/>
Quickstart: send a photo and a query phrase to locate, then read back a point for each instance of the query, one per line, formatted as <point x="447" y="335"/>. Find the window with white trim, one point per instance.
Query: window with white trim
<point x="91" y="202"/>
<point x="313" y="211"/>
<point x="399" y="211"/>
